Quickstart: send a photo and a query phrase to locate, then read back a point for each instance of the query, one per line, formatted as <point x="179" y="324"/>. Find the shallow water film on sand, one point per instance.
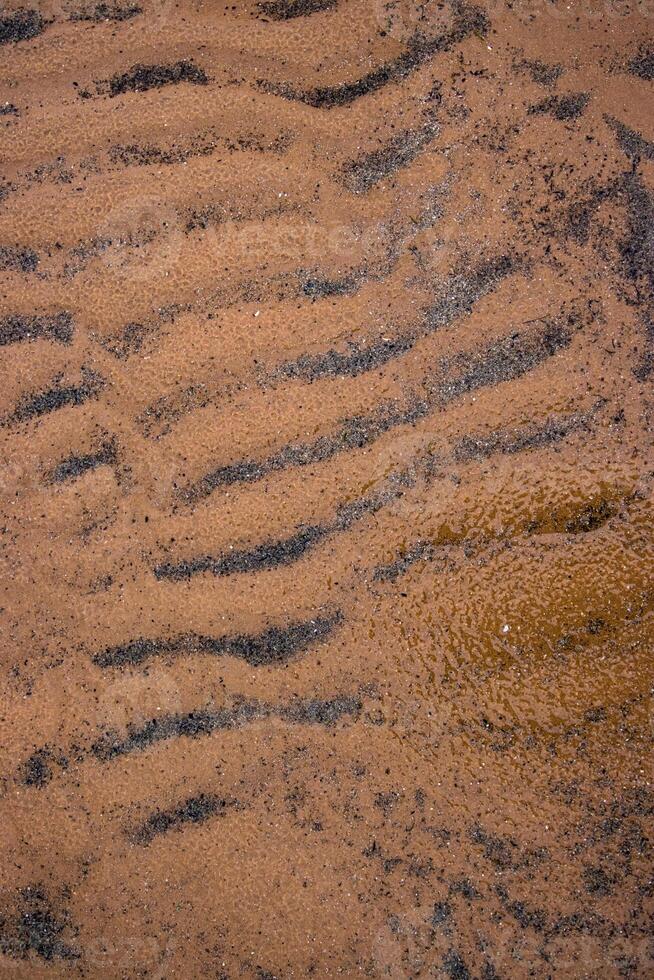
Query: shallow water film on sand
<point x="326" y="417"/>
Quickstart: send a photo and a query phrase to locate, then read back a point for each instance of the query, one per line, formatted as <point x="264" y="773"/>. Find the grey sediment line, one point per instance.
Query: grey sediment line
<point x="35" y="926"/>
<point x="104" y="11"/>
<point x="501" y="361"/>
<point x="284" y="551"/>
<point x="456" y="298"/>
<point x="362" y="174"/>
<point x="21" y="25"/>
<point x="194" y="810"/>
<point x="480" y="448"/>
<point x="74" y="466"/>
<point x="564" y="108"/>
<point x="142" y="78"/>
<point x="17" y="328"/>
<point x="18" y="258"/>
<point x="513" y="441"/>
<point x="642" y="64"/>
<point x="468" y="20"/>
<point x="504" y="360"/>
<point x="290" y="9"/>
<point x="35" y="405"/>
<point x="354" y="433"/>
<point x="275" y="645"/>
<point x="630" y="141"/>
<point x="206" y="721"/>
<point x="37" y="770"/>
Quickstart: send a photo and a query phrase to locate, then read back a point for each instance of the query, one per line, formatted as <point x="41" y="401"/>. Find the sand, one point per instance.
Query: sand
<point x="326" y="489"/>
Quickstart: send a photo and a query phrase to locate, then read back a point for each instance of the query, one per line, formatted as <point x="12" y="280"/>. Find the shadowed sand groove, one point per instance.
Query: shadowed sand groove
<point x="326" y="526"/>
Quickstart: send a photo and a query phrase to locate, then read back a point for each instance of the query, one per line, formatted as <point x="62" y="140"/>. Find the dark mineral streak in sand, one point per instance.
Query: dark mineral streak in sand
<point x="36" y="928"/>
<point x="516" y="441"/>
<point x="20" y="26"/>
<point x="205" y="721"/>
<point x="18" y="259"/>
<point x="643" y="65"/>
<point x="142" y="78"/>
<point x="631" y="142"/>
<point x="96" y="13"/>
<point x="479" y="448"/>
<point x="284" y="551"/>
<point x="74" y="466"/>
<point x="468" y="20"/>
<point x="458" y="294"/>
<point x="501" y="361"/>
<point x="354" y="433"/>
<point x="356" y="360"/>
<point x="365" y="172"/>
<point x="59" y="396"/>
<point x="273" y="646"/>
<point x="540" y="72"/>
<point x="15" y="328"/>
<point x="195" y="810"/>
<point x="561" y="107"/>
<point x="147" y="155"/>
<point x="465" y="740"/>
<point x="37" y="770"/>
<point x="272" y="554"/>
<point x="317" y="287"/>
<point x="456" y="297"/>
<point x="289" y="9"/>
<point x="454" y="966"/>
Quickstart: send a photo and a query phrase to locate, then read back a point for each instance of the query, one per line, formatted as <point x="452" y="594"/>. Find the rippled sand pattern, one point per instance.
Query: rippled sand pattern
<point x="326" y="422"/>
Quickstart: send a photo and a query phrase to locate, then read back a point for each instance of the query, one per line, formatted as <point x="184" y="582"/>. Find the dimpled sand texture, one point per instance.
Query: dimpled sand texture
<point x="327" y="334"/>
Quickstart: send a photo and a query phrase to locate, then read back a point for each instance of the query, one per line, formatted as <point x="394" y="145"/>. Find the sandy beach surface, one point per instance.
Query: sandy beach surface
<point x="326" y="468"/>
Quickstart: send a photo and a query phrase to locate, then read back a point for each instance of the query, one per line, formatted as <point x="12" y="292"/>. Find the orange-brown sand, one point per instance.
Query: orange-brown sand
<point x="326" y="489"/>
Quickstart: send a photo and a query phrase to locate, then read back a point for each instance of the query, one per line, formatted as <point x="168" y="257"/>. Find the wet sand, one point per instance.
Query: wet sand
<point x="326" y="489"/>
